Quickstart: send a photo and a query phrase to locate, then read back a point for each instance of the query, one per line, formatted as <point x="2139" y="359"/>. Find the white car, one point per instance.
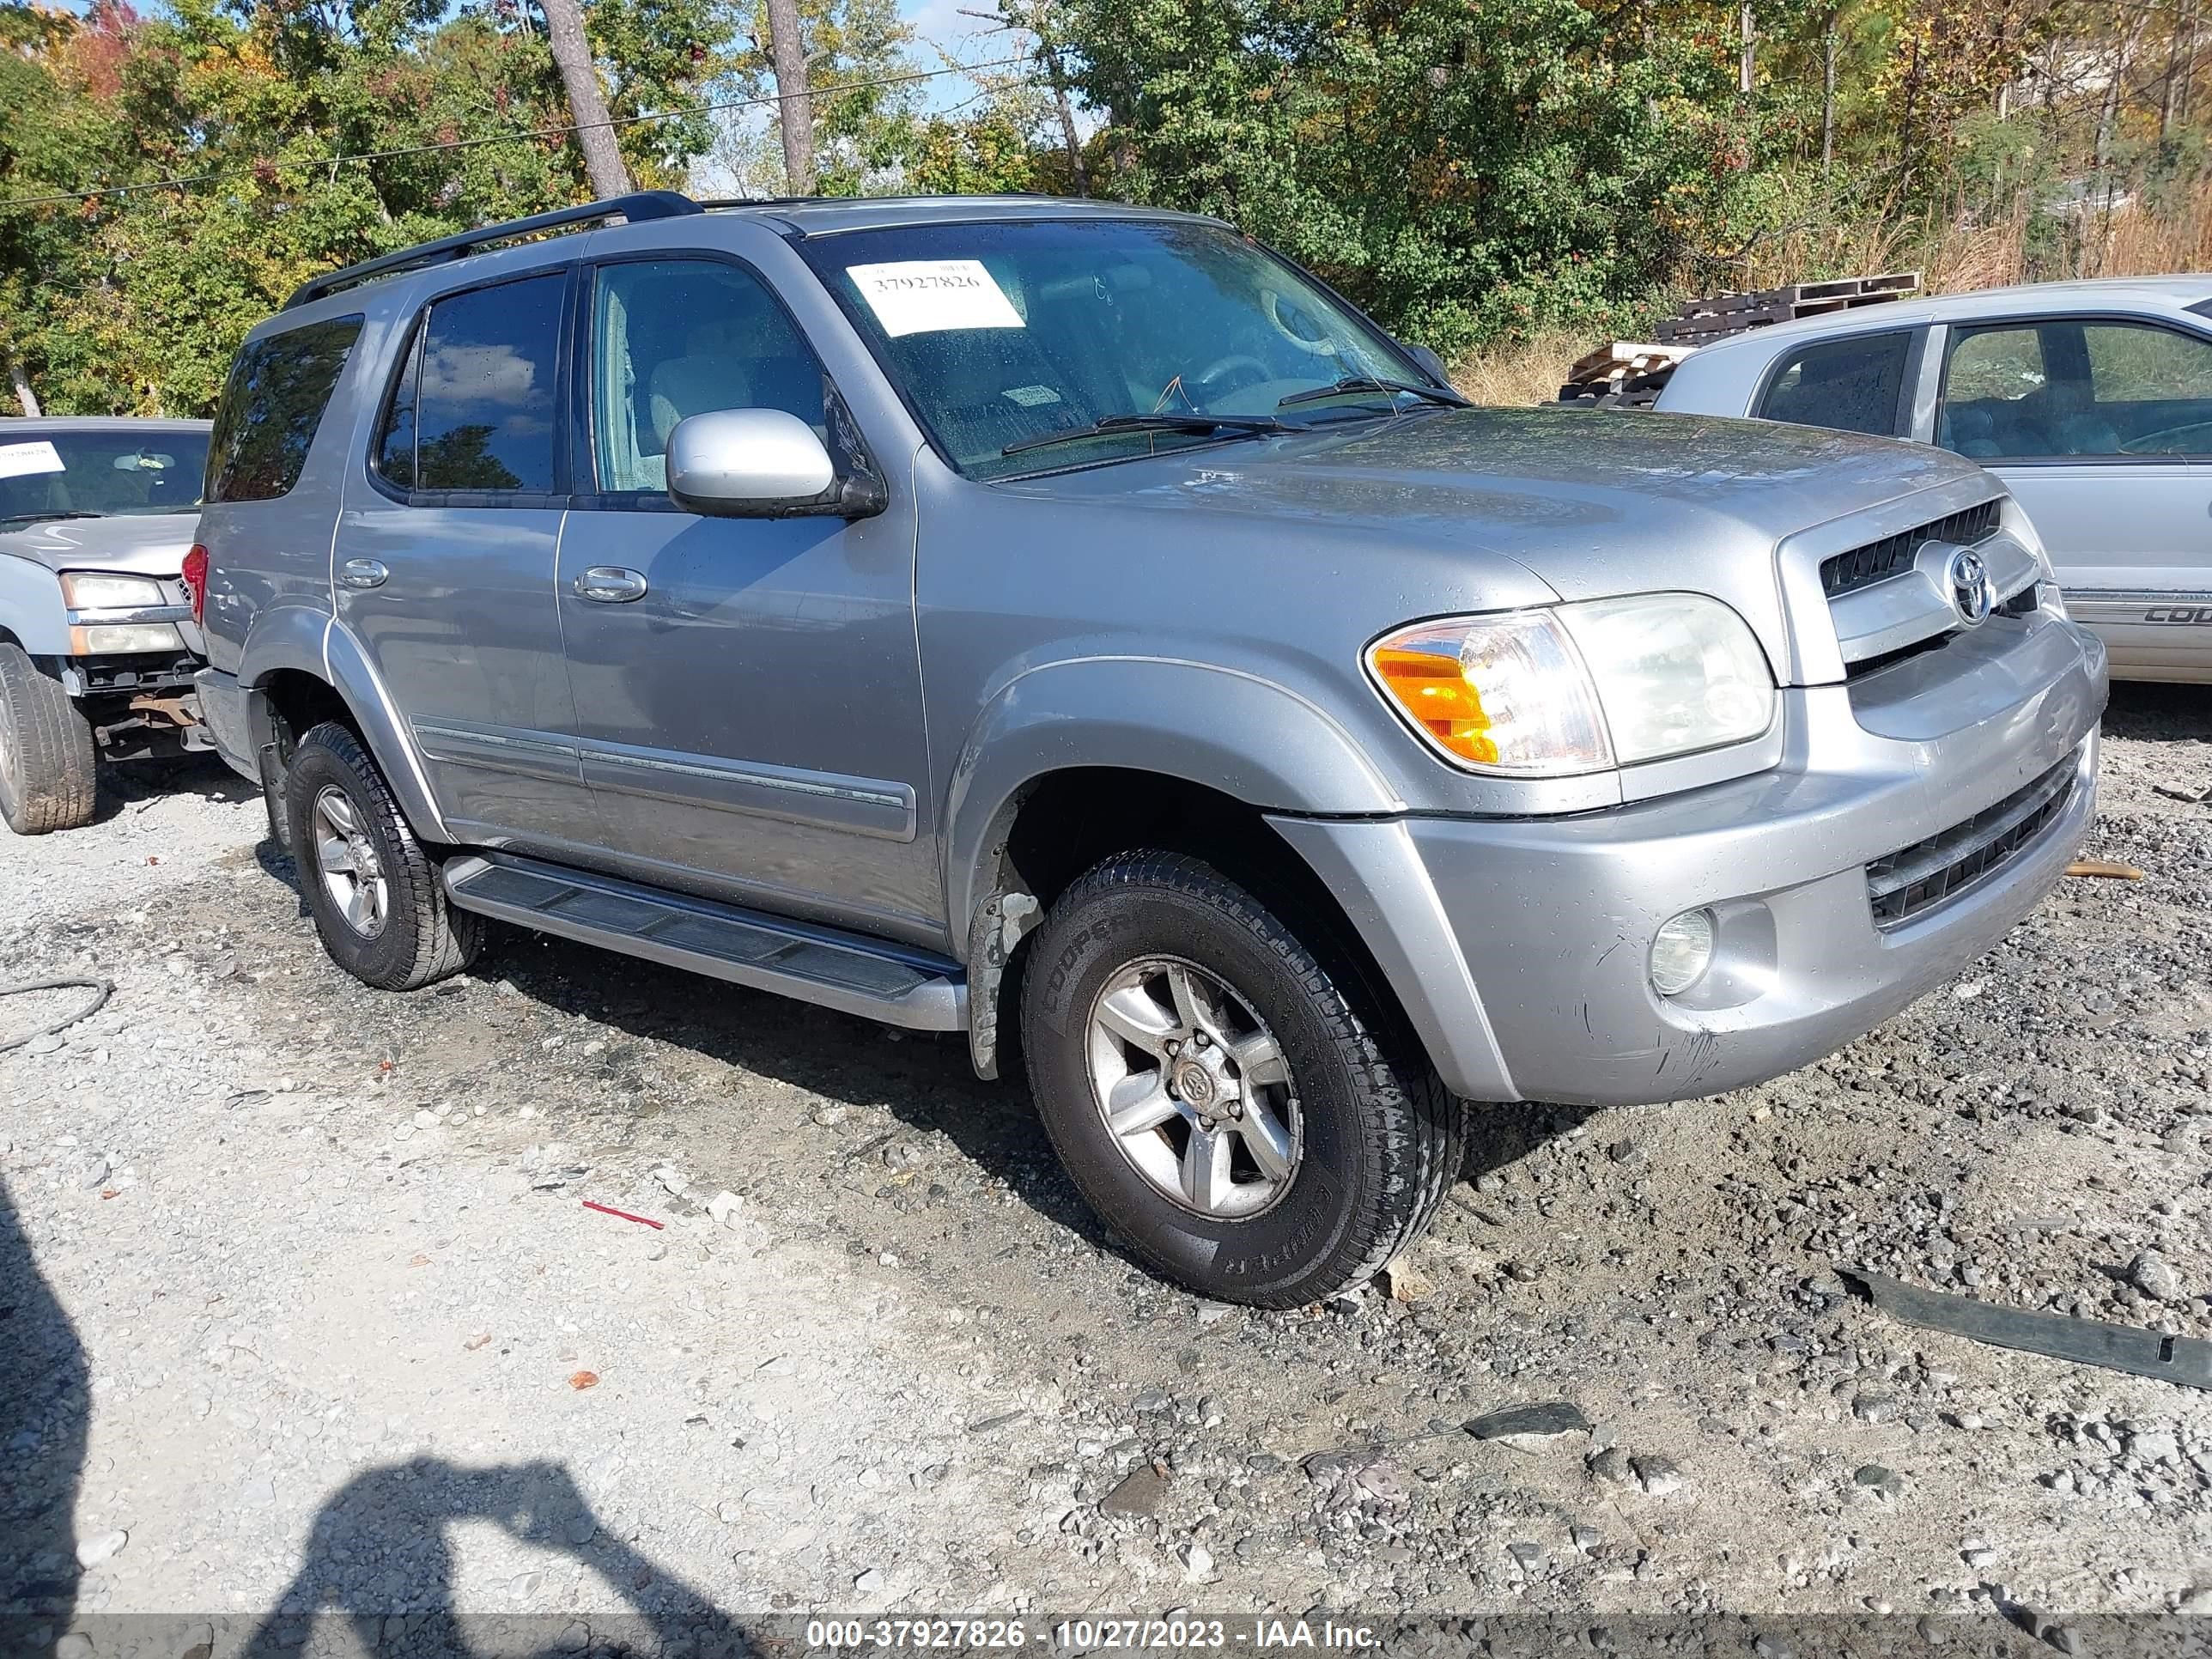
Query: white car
<point x="2093" y="401"/>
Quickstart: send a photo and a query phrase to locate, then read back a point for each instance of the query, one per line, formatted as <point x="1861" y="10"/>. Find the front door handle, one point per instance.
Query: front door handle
<point x="611" y="584"/>
<point x="364" y="573"/>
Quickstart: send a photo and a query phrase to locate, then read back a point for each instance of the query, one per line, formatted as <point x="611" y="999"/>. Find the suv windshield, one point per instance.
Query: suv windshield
<point x="62" y="474"/>
<point x="1002" y="333"/>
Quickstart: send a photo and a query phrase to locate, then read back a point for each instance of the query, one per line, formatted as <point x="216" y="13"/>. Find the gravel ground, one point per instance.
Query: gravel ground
<point x="304" y="1308"/>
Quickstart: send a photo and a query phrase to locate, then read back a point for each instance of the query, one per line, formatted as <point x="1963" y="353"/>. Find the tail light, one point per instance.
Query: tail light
<point x="195" y="579"/>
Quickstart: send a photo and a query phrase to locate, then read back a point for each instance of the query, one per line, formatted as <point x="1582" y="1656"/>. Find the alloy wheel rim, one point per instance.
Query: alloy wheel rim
<point x="1194" y="1088"/>
<point x="346" y="860"/>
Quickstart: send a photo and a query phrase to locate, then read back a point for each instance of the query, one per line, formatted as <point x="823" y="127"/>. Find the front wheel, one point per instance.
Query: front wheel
<point x="48" y="767"/>
<point x="373" y="890"/>
<point x="1219" y="1097"/>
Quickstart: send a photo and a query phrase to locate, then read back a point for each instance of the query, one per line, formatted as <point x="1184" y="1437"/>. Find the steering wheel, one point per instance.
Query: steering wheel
<point x="1260" y="371"/>
<point x="2160" y="443"/>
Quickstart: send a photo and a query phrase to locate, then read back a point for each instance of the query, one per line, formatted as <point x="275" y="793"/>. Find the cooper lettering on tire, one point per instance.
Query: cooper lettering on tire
<point x="1218" y="1094"/>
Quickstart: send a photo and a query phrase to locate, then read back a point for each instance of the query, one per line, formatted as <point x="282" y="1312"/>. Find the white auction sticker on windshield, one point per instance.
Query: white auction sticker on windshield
<point x="923" y="296"/>
<point x="19" y="460"/>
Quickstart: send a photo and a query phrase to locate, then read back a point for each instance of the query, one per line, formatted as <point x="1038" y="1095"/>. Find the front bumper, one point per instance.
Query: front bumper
<point x="1520" y="947"/>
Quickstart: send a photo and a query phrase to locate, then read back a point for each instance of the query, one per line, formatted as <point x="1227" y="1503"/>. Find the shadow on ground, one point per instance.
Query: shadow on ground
<point x="2161" y="714"/>
<point x="45" y="1404"/>
<point x="922" y="1079"/>
<point x="134" y="784"/>
<point x="380" y="1558"/>
<point x="925" y="1080"/>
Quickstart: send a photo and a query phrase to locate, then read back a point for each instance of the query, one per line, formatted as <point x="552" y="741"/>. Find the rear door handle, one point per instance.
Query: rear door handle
<point x="611" y="584"/>
<point x="363" y="572"/>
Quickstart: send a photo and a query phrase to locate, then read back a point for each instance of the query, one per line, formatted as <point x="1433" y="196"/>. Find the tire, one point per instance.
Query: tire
<point x="1375" y="1137"/>
<point x="48" y="769"/>
<point x="398" y="938"/>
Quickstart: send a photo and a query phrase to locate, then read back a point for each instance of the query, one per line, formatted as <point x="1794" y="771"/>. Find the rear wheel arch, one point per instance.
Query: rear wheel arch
<point x="298" y="676"/>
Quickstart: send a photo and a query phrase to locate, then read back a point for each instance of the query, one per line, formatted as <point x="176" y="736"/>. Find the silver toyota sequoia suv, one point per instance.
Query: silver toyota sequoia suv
<point x="1074" y="626"/>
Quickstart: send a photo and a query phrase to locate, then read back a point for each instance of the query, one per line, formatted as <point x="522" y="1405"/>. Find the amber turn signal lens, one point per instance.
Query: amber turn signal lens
<point x="1433" y="687"/>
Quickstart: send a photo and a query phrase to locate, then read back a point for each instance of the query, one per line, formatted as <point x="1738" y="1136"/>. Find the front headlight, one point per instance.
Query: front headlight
<point x="91" y="590"/>
<point x="1579" y="688"/>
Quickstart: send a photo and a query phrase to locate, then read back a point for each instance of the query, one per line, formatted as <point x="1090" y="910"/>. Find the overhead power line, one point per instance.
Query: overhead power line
<point x="264" y="165"/>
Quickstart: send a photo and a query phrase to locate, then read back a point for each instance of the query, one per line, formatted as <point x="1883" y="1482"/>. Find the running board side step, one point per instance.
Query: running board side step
<point x="848" y="972"/>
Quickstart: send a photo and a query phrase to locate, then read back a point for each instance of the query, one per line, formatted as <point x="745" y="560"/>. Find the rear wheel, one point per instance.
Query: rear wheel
<point x="1219" y="1095"/>
<point x="48" y="769"/>
<point x="373" y="891"/>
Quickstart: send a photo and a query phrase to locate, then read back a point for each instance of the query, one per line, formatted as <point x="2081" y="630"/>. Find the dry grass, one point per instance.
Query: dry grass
<point x="2129" y="240"/>
<point x="1521" y="371"/>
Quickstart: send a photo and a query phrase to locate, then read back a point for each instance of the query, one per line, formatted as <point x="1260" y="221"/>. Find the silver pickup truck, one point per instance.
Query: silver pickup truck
<point x="1075" y="628"/>
<point x="97" y="644"/>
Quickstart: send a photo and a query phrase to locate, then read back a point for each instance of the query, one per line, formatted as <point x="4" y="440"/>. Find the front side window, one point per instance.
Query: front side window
<point x="1848" y="385"/>
<point x="2153" y="386"/>
<point x="677" y="337"/>
<point x="63" y="473"/>
<point x="473" y="408"/>
<point x="271" y="406"/>
<point x="1000" y="333"/>
<point x="2077" y="390"/>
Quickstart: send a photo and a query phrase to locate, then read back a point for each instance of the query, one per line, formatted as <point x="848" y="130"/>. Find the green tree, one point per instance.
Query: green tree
<point x="1462" y="167"/>
<point x="129" y="296"/>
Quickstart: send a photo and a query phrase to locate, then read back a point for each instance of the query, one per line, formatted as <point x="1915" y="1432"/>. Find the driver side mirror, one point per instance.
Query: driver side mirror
<point x="761" y="464"/>
<point x="1428" y="360"/>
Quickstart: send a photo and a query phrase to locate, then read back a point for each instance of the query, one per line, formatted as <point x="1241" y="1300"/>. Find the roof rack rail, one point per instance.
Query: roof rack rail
<point x="638" y="206"/>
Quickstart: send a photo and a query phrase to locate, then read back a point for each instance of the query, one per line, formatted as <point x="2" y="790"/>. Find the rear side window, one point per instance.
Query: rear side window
<point x="474" y="405"/>
<point x="271" y="407"/>
<point x="1848" y="385"/>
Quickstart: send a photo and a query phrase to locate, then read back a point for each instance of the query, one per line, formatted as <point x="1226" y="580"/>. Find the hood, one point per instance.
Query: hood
<point x="1591" y="503"/>
<point x="143" y="544"/>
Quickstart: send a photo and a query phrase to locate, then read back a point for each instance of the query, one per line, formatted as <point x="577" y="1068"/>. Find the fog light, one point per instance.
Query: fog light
<point x="1681" y="951"/>
<point x="123" y="638"/>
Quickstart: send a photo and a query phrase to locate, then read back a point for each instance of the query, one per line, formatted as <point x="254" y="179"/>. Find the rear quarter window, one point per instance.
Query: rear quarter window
<point x="271" y="406"/>
<point x="1848" y="385"/>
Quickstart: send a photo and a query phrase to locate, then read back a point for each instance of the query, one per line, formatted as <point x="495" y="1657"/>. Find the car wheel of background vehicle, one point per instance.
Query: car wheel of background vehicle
<point x="1218" y="1097"/>
<point x="374" y="891"/>
<point x="48" y="770"/>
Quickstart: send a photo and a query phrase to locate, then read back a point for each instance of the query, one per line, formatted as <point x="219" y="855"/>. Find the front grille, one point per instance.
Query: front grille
<point x="1863" y="567"/>
<point x="1915" y="879"/>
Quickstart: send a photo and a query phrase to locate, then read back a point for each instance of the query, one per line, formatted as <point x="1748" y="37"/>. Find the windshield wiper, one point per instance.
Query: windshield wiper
<point x="1161" y="422"/>
<point x="1435" y="394"/>
<point x="37" y="518"/>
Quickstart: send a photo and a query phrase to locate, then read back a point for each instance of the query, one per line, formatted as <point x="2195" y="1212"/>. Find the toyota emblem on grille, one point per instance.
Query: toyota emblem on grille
<point x="1973" y="595"/>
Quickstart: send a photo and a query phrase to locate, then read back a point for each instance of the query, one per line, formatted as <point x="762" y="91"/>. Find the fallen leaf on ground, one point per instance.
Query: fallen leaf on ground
<point x="582" y="1380"/>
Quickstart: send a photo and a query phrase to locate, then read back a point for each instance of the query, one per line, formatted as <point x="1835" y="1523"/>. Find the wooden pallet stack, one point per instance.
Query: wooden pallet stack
<point x="1626" y="374"/>
<point x="1701" y="322"/>
<point x="1631" y="373"/>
